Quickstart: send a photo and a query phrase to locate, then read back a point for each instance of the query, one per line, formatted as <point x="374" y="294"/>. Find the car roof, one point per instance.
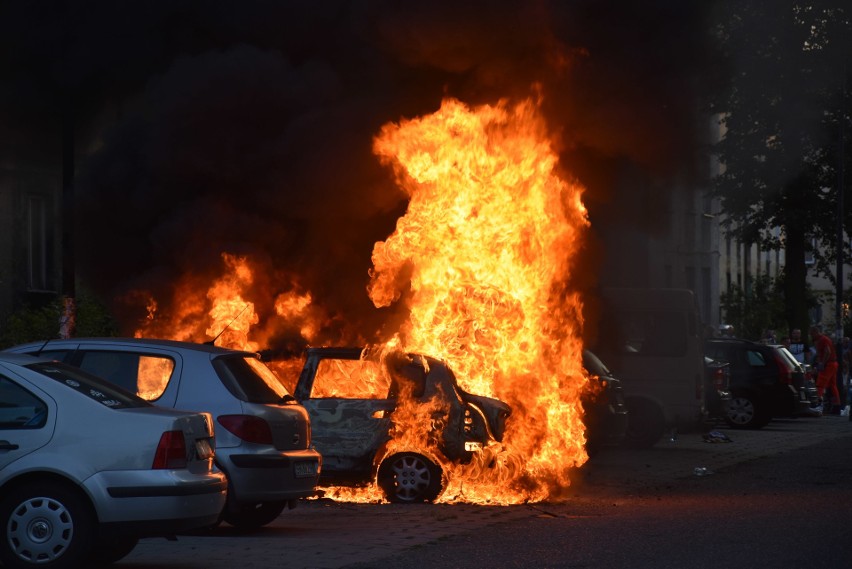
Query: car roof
<point x="175" y="344"/>
<point x="21" y="359"/>
<point x="740" y="341"/>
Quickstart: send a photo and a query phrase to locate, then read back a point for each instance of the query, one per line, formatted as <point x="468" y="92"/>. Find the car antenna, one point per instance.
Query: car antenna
<point x="43" y="346"/>
<point x="213" y="341"/>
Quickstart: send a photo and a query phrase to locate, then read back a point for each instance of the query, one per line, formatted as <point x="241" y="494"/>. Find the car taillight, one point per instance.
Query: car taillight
<point x="247" y="427"/>
<point x="719" y="379"/>
<point x="171" y="452"/>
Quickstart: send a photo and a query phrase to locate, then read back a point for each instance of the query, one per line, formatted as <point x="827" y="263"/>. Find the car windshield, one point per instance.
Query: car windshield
<point x="594" y="365"/>
<point x="89" y="385"/>
<point x="249" y="380"/>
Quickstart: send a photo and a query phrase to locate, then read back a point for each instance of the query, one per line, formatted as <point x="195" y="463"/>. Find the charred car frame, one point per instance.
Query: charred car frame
<point x="356" y="398"/>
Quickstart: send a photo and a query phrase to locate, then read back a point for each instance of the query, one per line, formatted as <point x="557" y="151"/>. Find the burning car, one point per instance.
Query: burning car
<point x="358" y="400"/>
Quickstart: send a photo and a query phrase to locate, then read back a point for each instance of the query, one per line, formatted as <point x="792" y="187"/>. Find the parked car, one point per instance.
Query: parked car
<point x="263" y="437"/>
<point x="603" y="405"/>
<point x="351" y="395"/>
<point x="86" y="468"/>
<point x="804" y="379"/>
<point x="717" y="387"/>
<point x="764" y="382"/>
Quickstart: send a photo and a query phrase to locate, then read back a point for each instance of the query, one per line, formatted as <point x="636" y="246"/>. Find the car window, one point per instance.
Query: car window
<point x="755" y="358"/>
<point x="144" y="374"/>
<point x="248" y="379"/>
<point x="351" y="379"/>
<point x="20" y="409"/>
<point x="89" y="385"/>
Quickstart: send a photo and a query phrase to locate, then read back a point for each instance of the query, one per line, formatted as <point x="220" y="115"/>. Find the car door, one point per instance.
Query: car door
<point x="26" y="419"/>
<point x="350" y="417"/>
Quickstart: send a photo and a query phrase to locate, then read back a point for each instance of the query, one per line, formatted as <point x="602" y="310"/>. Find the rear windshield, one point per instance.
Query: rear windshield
<point x="89" y="385"/>
<point x="788" y="358"/>
<point x="249" y="380"/>
<point x="594" y="365"/>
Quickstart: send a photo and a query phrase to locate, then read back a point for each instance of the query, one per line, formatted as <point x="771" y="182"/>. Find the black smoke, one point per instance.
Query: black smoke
<point x="246" y="126"/>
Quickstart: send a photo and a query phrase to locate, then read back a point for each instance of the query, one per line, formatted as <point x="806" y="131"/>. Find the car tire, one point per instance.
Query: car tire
<point x="645" y="424"/>
<point x="116" y="548"/>
<point x="409" y="478"/>
<point x="45" y="525"/>
<point x="744" y="412"/>
<point x="253" y="516"/>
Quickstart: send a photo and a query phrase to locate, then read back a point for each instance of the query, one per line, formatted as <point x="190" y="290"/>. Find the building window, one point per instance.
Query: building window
<point x="37" y="243"/>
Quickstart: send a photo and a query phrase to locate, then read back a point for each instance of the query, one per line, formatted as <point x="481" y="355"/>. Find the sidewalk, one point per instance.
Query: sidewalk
<point x="670" y="460"/>
<point x="323" y="534"/>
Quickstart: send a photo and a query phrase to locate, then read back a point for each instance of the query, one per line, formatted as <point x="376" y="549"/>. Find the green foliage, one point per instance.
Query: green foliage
<point x="29" y="324"/>
<point x="755" y="310"/>
<point x="781" y="113"/>
<point x="784" y="112"/>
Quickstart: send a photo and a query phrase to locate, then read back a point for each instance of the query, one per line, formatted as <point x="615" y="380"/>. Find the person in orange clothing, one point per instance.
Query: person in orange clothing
<point x="826" y="365"/>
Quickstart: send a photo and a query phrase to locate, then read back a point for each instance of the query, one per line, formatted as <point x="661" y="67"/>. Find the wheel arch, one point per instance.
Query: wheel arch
<point x="55" y="479"/>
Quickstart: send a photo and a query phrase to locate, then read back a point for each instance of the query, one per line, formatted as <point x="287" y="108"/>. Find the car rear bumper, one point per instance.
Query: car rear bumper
<point x="266" y="477"/>
<point x="158" y="528"/>
<point x="802" y="408"/>
<point x="165" y="501"/>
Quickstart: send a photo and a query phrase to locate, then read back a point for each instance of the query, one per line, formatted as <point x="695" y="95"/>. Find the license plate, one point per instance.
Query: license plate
<point x="203" y="449"/>
<point x="305" y="469"/>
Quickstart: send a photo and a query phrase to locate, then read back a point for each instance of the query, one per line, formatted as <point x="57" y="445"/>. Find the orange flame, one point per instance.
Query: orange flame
<point x="486" y="248"/>
<point x="488" y="239"/>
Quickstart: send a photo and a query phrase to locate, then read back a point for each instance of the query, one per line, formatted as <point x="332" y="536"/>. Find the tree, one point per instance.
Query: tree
<point x="782" y="115"/>
<point x="28" y="324"/>
<point x="760" y="307"/>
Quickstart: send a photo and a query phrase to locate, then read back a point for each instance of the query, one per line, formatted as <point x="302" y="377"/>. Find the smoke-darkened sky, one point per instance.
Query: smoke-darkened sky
<point x="246" y="126"/>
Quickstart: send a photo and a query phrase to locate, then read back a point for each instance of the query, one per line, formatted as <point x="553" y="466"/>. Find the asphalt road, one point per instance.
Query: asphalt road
<point x="780" y="497"/>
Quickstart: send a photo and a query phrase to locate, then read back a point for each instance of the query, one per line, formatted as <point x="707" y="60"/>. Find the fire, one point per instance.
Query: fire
<point x="488" y="239"/>
<point x="481" y="261"/>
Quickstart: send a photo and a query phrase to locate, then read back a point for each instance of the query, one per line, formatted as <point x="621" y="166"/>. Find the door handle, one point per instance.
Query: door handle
<point x="6" y="445"/>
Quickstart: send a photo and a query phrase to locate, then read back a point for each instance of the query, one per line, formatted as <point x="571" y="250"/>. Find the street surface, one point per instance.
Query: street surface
<point x="777" y="498"/>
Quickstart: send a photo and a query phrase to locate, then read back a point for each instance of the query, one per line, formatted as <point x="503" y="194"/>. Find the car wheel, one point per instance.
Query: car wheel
<point x="254" y="516"/>
<point x="742" y="412"/>
<point x="44" y="525"/>
<point x="409" y="477"/>
<point x="116" y="548"/>
<point x="645" y="424"/>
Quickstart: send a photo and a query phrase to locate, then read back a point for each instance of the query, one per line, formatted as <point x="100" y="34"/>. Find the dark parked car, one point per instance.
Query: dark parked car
<point x="764" y="382"/>
<point x="353" y="395"/>
<point x="717" y="387"/>
<point x="604" y="406"/>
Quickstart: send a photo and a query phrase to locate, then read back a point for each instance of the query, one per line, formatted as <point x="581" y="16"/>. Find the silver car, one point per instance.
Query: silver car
<point x="263" y="437"/>
<point x="86" y="469"/>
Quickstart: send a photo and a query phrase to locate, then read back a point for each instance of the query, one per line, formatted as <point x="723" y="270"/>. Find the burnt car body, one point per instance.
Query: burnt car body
<point x="603" y="405"/>
<point x="352" y="419"/>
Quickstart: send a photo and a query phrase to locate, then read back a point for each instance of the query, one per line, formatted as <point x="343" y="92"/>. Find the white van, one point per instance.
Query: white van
<point x="653" y="341"/>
